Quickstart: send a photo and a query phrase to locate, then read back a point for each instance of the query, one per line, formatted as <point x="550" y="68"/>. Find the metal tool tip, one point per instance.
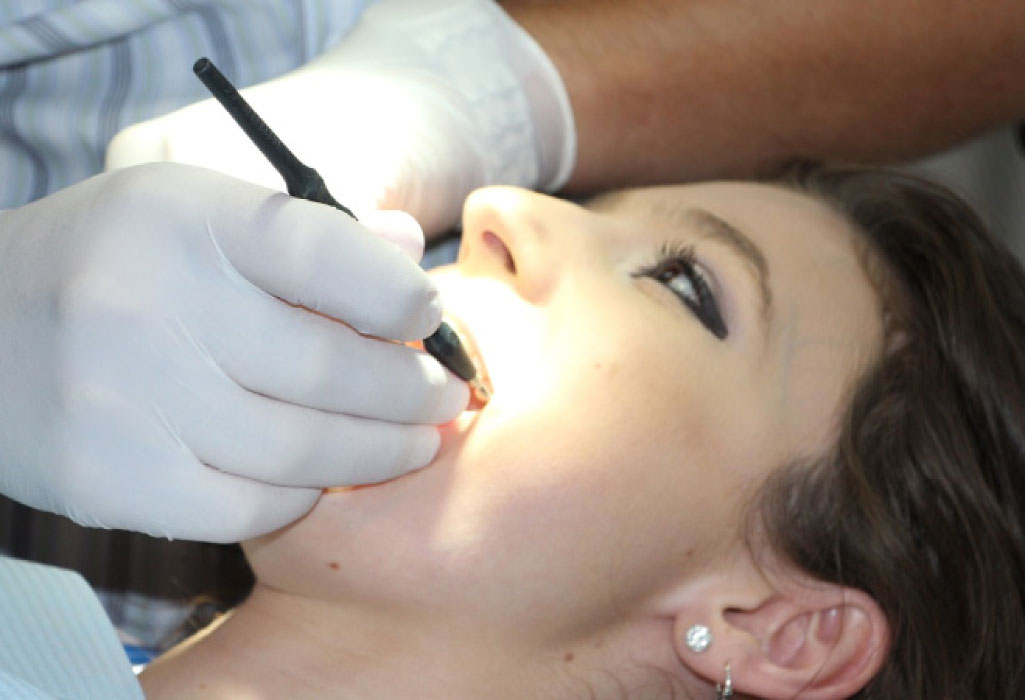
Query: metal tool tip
<point x="480" y="392"/>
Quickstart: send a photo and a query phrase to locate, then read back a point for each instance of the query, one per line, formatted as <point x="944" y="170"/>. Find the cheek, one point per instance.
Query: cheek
<point x="596" y="470"/>
<point x="581" y="485"/>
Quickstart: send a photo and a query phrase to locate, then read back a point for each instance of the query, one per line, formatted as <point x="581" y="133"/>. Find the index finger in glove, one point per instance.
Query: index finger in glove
<point x="318" y="257"/>
<point x="293" y="355"/>
<point x="397" y="227"/>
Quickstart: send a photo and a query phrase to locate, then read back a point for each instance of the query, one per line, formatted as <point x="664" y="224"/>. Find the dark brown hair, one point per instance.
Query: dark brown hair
<point x="921" y="501"/>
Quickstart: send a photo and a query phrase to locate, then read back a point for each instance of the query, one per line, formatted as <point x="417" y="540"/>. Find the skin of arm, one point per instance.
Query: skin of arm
<point x="667" y="90"/>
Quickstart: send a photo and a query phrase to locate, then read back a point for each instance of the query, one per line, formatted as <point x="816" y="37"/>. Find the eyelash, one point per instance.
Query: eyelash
<point x="675" y="259"/>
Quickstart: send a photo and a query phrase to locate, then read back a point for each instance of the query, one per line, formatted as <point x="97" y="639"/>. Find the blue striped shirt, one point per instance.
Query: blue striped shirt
<point x="75" y="72"/>
<point x="55" y="641"/>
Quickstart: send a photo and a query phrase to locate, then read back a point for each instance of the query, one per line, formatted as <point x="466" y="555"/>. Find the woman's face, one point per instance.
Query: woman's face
<point x="653" y="360"/>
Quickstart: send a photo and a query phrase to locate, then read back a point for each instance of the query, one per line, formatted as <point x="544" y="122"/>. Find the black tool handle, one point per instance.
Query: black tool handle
<point x="301" y="180"/>
<point x="304" y="182"/>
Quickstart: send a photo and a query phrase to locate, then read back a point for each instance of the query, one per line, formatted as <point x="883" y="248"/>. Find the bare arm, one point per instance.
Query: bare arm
<point x="669" y="90"/>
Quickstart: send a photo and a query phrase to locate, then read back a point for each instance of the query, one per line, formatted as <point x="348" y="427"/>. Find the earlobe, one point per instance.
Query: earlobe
<point x="815" y="641"/>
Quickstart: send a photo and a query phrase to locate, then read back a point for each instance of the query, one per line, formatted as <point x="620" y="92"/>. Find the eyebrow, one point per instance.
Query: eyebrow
<point x="721" y="231"/>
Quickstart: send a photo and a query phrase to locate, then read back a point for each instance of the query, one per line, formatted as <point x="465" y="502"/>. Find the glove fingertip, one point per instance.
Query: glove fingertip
<point x="399" y="228"/>
<point x="280" y="507"/>
<point x="424" y="448"/>
<point x="418" y="318"/>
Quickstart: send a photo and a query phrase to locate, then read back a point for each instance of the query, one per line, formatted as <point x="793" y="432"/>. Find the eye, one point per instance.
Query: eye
<point x="676" y="269"/>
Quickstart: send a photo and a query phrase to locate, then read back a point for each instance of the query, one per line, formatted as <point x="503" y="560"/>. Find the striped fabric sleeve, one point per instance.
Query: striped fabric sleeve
<point x="55" y="639"/>
<point x="75" y="72"/>
<point x="13" y="688"/>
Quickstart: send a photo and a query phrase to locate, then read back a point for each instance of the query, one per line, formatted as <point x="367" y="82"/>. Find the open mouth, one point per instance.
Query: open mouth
<point x="481" y="387"/>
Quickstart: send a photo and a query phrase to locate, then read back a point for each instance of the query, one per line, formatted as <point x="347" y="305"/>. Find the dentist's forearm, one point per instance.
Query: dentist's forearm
<point x="674" y="90"/>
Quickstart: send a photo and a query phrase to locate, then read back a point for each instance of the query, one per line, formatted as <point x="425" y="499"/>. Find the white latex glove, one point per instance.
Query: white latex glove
<point x="424" y="101"/>
<point x="152" y="378"/>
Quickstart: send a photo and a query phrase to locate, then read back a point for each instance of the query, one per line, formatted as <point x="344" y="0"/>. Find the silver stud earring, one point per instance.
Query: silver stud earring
<point x="698" y="638"/>
<point x="724" y="691"/>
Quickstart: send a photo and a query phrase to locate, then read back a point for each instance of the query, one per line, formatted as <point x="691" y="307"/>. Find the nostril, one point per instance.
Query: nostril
<point x="496" y="245"/>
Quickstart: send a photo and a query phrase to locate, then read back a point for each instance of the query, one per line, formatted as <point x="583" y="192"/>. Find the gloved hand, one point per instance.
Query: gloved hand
<point x="157" y="373"/>
<point x="424" y="101"/>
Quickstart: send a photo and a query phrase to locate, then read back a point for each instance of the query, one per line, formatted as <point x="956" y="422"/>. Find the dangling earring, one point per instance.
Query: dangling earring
<point x="698" y="638"/>
<point x="725" y="690"/>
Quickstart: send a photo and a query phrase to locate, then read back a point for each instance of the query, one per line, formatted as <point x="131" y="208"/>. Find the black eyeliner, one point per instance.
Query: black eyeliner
<point x="303" y="182"/>
<point x="683" y="257"/>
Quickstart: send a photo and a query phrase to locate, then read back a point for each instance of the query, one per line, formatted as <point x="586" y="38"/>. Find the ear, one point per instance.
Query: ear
<point x="806" y="639"/>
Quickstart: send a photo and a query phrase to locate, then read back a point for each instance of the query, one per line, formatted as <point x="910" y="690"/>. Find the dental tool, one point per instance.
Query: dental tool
<point x="304" y="182"/>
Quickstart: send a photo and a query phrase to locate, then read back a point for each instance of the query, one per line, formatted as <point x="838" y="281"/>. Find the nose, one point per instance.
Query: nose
<point x="517" y="236"/>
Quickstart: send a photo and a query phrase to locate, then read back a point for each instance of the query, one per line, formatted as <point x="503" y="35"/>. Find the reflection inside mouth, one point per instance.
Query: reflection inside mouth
<point x="481" y="391"/>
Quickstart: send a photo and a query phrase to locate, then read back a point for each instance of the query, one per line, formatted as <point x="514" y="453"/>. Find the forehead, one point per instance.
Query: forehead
<point x="767" y="215"/>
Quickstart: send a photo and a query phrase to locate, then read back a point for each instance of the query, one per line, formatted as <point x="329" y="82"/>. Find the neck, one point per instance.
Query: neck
<point x="279" y="644"/>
